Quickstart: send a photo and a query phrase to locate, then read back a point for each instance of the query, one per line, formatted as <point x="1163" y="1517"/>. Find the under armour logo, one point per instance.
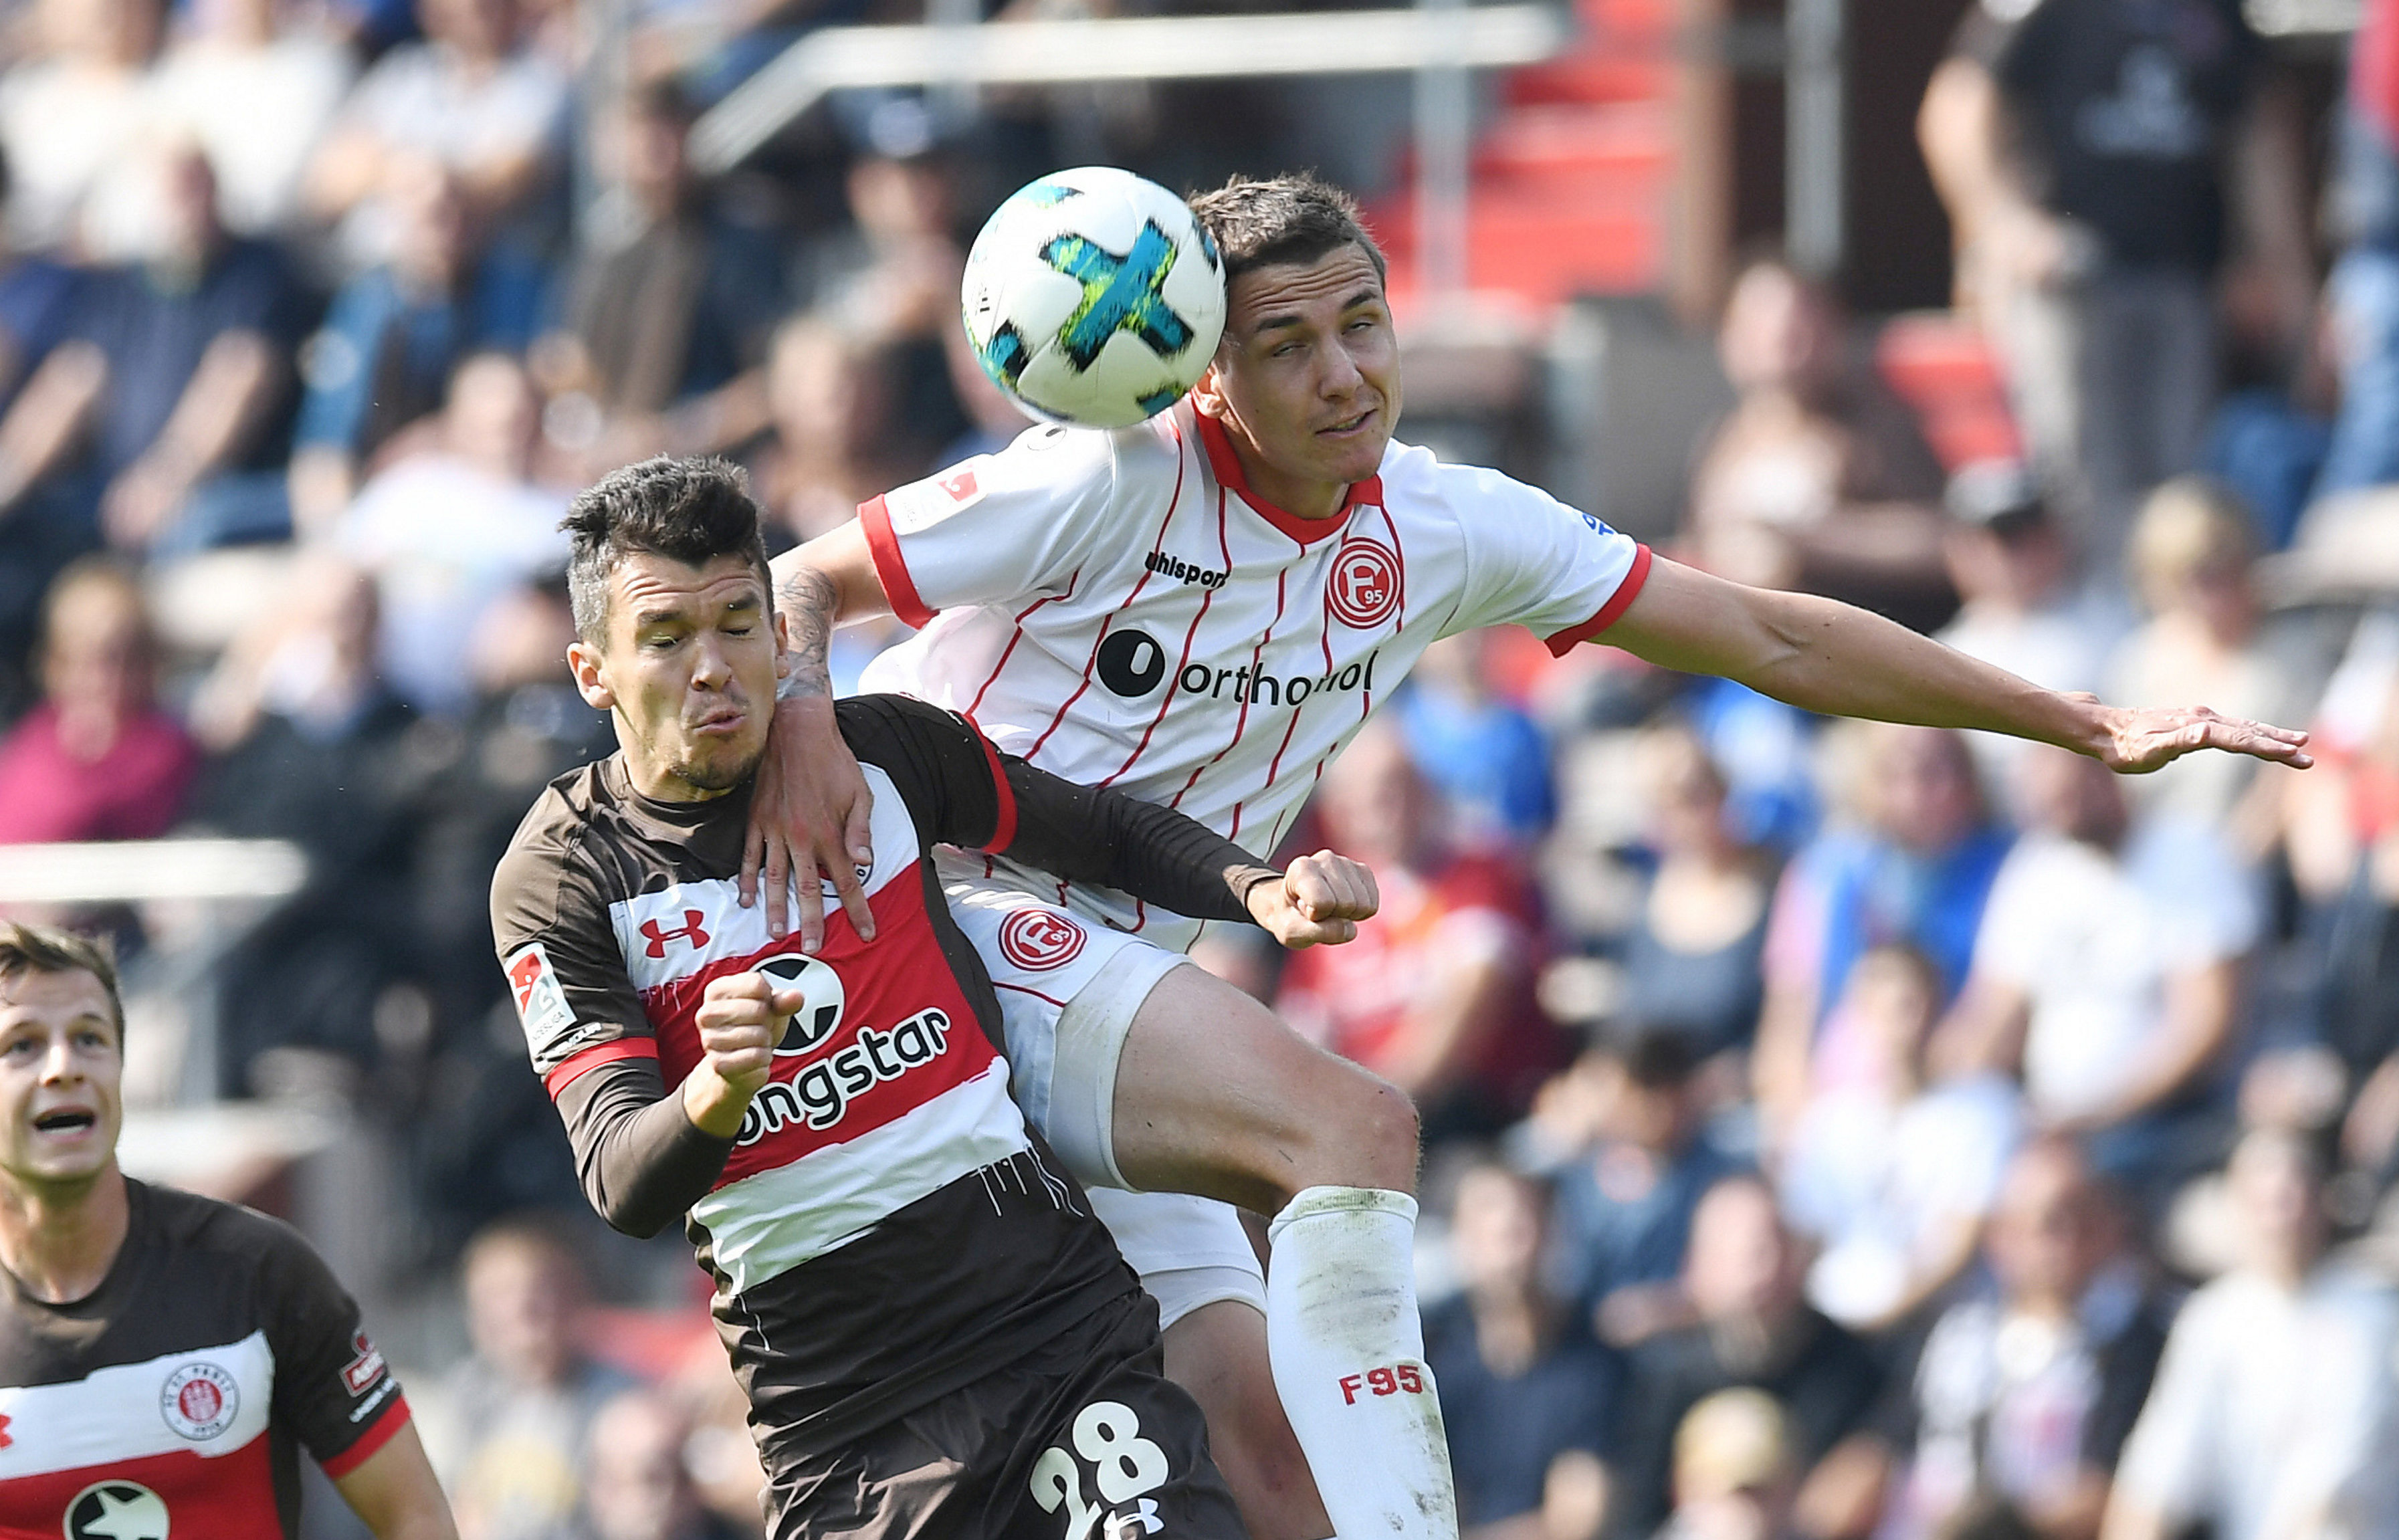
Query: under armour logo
<point x="659" y="935"/>
<point x="1121" y="294"/>
<point x="1143" y="1521"/>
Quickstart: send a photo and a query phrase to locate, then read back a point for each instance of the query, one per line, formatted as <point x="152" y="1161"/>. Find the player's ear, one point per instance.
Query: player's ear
<point x="583" y="662"/>
<point x="1208" y="393"/>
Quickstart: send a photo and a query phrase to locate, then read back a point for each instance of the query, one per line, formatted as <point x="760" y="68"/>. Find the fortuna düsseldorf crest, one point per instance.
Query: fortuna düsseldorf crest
<point x="1038" y="941"/>
<point x="1363" y="589"/>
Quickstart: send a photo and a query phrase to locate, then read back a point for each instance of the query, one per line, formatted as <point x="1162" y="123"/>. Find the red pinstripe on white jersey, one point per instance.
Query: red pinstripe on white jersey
<point x="1118" y="607"/>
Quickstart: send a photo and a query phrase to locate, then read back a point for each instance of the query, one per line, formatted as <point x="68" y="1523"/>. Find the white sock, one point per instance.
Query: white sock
<point x="1347" y="1352"/>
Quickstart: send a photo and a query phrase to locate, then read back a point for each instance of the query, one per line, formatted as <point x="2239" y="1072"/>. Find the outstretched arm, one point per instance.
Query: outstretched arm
<point x="1829" y="658"/>
<point x="811" y="809"/>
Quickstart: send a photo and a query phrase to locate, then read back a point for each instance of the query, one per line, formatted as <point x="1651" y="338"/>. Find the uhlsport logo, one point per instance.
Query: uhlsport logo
<point x="1363" y="589"/>
<point x="1037" y="939"/>
<point x="199" y="1401"/>
<point x="117" y="1511"/>
<point x="1182" y="571"/>
<point x="820" y="1013"/>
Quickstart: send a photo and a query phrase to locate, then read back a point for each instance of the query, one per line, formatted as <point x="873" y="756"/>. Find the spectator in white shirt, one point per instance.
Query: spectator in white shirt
<point x="1889" y="1173"/>
<point x="451" y="529"/>
<point x="2271" y="1414"/>
<point x="2192" y="550"/>
<point x="2107" y="971"/>
<point x="471" y="97"/>
<point x="75" y="113"/>
<point x="2011" y="561"/>
<point x="256" y="94"/>
<point x="2026" y="1395"/>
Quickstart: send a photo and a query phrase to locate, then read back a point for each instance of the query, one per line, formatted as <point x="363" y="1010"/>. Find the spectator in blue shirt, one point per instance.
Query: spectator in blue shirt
<point x="1918" y="870"/>
<point x="1625" y="1203"/>
<point x="395" y="333"/>
<point x="167" y="389"/>
<point x="35" y="299"/>
<point x="34" y="306"/>
<point x="1486" y="757"/>
<point x="1527" y="1395"/>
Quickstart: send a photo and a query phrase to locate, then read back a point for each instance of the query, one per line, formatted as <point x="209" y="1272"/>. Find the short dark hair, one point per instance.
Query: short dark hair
<point x="38" y="949"/>
<point x="1291" y="219"/>
<point x="662" y="100"/>
<point x="689" y="510"/>
<point x="1655" y="1056"/>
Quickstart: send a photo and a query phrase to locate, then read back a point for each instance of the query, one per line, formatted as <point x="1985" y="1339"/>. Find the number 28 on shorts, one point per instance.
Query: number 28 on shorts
<point x="1124" y="1467"/>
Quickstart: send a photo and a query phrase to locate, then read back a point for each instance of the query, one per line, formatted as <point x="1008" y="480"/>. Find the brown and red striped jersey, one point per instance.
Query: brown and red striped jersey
<point x="884" y="1228"/>
<point x="176" y="1397"/>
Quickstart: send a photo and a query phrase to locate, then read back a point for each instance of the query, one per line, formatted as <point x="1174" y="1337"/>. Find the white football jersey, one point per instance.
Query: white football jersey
<point x="1120" y="610"/>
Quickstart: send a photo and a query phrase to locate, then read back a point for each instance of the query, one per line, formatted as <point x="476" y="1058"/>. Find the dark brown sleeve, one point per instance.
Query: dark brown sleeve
<point x="641" y="1161"/>
<point x="332" y="1388"/>
<point x="558" y="948"/>
<point x="1095" y="834"/>
<point x="640" y="1158"/>
<point x="962" y="791"/>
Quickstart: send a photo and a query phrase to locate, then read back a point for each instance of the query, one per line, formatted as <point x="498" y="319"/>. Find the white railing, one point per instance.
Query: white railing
<point x="1030" y="53"/>
<point x="135" y="872"/>
<point x="218" y="887"/>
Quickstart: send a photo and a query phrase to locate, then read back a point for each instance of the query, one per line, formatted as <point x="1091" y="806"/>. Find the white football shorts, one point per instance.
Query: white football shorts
<point x="1068" y="990"/>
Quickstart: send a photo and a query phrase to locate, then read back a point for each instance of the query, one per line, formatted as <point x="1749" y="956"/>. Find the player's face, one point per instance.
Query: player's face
<point x="61" y="1071"/>
<point x="1306" y="380"/>
<point x="688" y="670"/>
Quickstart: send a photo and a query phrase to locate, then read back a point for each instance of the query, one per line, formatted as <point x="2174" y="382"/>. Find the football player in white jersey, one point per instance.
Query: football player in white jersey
<point x="1202" y="610"/>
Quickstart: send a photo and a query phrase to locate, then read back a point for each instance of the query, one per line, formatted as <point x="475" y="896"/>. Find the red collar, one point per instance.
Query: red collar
<point x="1230" y="475"/>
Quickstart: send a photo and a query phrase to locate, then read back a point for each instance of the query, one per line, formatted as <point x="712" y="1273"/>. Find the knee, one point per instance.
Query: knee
<point x="1367" y="1136"/>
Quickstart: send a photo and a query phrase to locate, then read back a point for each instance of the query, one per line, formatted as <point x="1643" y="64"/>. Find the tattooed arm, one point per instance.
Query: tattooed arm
<point x="810" y="809"/>
<point x="807" y="600"/>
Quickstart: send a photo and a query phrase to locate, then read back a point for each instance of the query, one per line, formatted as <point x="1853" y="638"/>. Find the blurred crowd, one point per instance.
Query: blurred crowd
<point x="1833" y="1130"/>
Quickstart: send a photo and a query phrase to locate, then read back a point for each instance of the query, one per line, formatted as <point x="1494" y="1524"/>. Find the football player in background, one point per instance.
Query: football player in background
<point x="163" y="1357"/>
<point x="1202" y="611"/>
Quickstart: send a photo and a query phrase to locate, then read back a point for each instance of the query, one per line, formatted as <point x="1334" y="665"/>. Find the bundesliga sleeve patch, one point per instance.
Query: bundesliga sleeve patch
<point x="921" y="504"/>
<point x="361" y="1374"/>
<point x="541" y="1001"/>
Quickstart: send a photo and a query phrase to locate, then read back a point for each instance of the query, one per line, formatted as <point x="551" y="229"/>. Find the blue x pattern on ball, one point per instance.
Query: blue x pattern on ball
<point x="1121" y="294"/>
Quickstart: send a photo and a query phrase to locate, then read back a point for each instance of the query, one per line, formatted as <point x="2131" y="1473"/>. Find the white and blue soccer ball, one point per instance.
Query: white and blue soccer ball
<point x="1093" y="297"/>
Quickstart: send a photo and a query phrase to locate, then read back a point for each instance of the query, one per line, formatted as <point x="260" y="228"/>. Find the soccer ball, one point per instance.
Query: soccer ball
<point x="1093" y="297"/>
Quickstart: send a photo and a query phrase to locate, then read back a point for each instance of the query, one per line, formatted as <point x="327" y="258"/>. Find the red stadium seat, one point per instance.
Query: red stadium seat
<point x="1570" y="180"/>
<point x="1941" y="365"/>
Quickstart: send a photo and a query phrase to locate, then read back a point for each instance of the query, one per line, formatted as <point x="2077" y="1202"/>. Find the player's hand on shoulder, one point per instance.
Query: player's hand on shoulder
<point x="2137" y="741"/>
<point x="1319" y="902"/>
<point x="810" y="812"/>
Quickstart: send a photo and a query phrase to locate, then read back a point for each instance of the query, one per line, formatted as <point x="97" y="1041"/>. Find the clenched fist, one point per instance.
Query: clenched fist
<point x="741" y="1019"/>
<point x="1319" y="901"/>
